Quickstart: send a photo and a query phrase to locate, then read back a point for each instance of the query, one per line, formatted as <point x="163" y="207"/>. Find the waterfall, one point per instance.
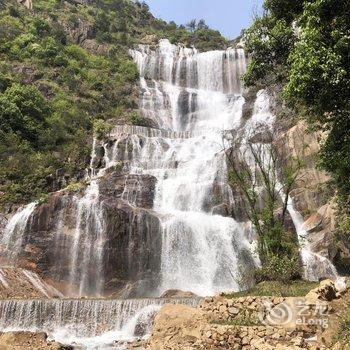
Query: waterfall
<point x="87" y="252"/>
<point x="174" y="80"/>
<point x="315" y="266"/>
<point x="194" y="99"/>
<point x="92" y="324"/>
<point x="199" y="94"/>
<point x="88" y="245"/>
<point x="184" y="237"/>
<point x="14" y="233"/>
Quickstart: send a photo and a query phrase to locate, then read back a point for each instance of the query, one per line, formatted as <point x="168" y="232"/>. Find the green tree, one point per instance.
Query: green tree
<point x="24" y="110"/>
<point x="192" y="25"/>
<point x="284" y="9"/>
<point x="268" y="41"/>
<point x="312" y="61"/>
<point x="202" y="25"/>
<point x="265" y="182"/>
<point x="320" y="81"/>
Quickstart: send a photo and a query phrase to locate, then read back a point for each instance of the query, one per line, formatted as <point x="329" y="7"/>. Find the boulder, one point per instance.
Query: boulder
<point x="177" y="327"/>
<point x="174" y="293"/>
<point x="28" y="341"/>
<point x="20" y="283"/>
<point x="327" y="291"/>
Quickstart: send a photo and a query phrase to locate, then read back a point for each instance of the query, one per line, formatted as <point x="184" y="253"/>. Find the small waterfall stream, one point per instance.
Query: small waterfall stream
<point x="15" y="232"/>
<point x="316" y="266"/>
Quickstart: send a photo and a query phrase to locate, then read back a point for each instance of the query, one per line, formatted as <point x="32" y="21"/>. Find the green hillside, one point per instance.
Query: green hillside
<point x="64" y="68"/>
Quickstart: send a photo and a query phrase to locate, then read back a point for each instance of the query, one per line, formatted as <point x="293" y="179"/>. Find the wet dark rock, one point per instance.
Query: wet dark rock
<point x="221" y="209"/>
<point x="140" y="188"/>
<point x="133" y="242"/>
<point x="264" y="136"/>
<point x="184" y="108"/>
<point x="248" y="106"/>
<point x="99" y="151"/>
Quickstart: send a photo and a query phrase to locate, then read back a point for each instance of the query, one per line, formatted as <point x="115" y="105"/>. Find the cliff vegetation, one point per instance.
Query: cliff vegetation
<point x="304" y="47"/>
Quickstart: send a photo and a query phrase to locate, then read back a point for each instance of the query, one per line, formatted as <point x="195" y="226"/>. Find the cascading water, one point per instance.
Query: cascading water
<point x="87" y="250"/>
<point x="93" y="324"/>
<point x="183" y="90"/>
<point x="316" y="266"/>
<point x="15" y="231"/>
<point x="193" y="98"/>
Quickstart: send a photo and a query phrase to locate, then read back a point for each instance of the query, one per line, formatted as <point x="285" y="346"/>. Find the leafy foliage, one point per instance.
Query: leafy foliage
<point x="284" y="9"/>
<point x="296" y="288"/>
<point x="65" y="70"/>
<point x="279" y="268"/>
<point x="305" y="44"/>
<point x="102" y="128"/>
<point x="268" y="41"/>
<point x="255" y="170"/>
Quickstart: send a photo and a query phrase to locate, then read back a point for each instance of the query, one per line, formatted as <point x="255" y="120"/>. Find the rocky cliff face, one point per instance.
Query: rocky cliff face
<point x="312" y="195"/>
<point x="311" y="191"/>
<point x="129" y="257"/>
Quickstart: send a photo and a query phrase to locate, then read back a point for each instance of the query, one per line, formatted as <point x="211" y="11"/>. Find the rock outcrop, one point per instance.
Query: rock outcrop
<point x="177" y="327"/>
<point x="311" y="191"/>
<point x="327" y="291"/>
<point x="130" y="260"/>
<point x="23" y="284"/>
<point x="28" y="341"/>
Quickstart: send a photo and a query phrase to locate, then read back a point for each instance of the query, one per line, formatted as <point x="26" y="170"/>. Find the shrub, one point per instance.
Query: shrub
<point x="102" y="128"/>
<point x="24" y="110"/>
<point x="75" y="187"/>
<point x="136" y="119"/>
<point x="279" y="268"/>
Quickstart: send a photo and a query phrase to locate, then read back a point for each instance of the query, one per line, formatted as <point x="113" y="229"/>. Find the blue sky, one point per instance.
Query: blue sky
<point x="228" y="16"/>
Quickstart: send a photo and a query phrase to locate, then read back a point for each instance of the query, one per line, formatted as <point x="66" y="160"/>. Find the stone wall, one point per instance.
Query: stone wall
<point x="247" y="323"/>
<point x="181" y="327"/>
<point x="250" y="338"/>
<point x="227" y="310"/>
